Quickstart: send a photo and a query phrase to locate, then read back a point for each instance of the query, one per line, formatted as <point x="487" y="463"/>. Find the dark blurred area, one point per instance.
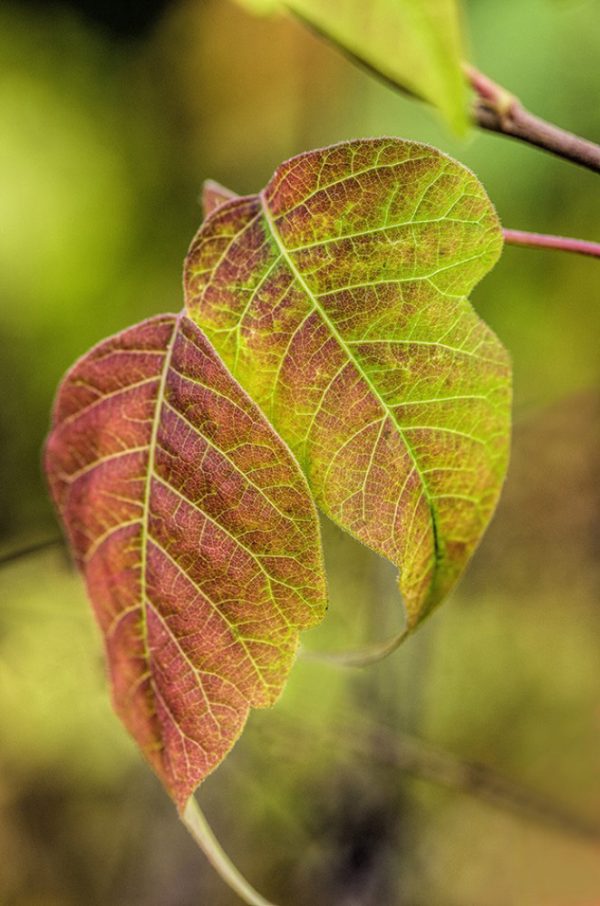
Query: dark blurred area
<point x="111" y="116"/>
<point x="128" y="19"/>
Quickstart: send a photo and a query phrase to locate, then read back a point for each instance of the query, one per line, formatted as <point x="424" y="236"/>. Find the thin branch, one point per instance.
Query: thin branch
<point x="362" y="657"/>
<point x="499" y="111"/>
<point x="496" y="110"/>
<point x="31" y="549"/>
<point x="416" y="757"/>
<point x="195" y="821"/>
<point x="561" y="243"/>
<point x="411" y="755"/>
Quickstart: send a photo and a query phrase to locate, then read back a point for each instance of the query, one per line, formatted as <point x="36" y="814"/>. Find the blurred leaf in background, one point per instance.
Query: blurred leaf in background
<point x="415" y="43"/>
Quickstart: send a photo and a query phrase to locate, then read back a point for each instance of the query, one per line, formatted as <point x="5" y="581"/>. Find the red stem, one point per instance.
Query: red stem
<point x="497" y="110"/>
<point x="543" y="241"/>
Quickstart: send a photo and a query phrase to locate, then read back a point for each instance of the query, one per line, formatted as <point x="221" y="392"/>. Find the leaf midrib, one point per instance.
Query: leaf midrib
<point x="146" y="538"/>
<point x="145" y="534"/>
<point x="352" y="358"/>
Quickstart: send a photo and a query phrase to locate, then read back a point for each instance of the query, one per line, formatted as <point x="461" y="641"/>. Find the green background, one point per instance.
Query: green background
<point x="105" y="137"/>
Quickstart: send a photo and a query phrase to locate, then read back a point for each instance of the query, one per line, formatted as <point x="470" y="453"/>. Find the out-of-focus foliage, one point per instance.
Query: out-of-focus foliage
<point x="109" y="142"/>
<point x="415" y="43"/>
<point x="57" y="644"/>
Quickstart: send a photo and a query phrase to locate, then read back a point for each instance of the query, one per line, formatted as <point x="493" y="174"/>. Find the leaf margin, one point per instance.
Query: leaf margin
<point x="414" y="617"/>
<point x="180" y="794"/>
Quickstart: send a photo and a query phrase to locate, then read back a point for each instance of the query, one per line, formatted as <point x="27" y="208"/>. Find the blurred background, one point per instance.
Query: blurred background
<point x="353" y="791"/>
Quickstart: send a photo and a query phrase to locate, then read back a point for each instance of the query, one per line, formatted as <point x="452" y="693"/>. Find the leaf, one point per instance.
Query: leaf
<point x="213" y="195"/>
<point x="338" y="299"/>
<point x="197" y="537"/>
<point x="414" y="43"/>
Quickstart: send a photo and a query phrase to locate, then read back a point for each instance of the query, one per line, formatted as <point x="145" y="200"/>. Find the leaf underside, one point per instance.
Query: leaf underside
<point x="338" y="299"/>
<point x="197" y="537"/>
<point x="415" y="43"/>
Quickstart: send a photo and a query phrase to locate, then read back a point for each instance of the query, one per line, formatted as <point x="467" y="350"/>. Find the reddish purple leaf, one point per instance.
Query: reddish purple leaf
<point x="197" y="537"/>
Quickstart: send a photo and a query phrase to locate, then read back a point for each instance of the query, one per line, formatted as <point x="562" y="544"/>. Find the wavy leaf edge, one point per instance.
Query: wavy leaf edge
<point x="172" y="641"/>
<point x="487" y="256"/>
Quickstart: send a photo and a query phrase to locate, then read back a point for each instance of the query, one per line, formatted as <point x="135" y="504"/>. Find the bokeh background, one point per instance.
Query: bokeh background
<point x="352" y="790"/>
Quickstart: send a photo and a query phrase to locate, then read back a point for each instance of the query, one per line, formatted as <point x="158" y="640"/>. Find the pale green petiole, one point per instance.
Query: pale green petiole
<point x="195" y="821"/>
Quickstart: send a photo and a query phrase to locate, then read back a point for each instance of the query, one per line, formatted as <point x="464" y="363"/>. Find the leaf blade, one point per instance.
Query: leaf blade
<point x="338" y="298"/>
<point x="196" y="535"/>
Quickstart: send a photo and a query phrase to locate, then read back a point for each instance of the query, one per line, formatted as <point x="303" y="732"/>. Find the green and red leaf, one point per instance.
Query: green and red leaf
<point x="197" y="537"/>
<point x="338" y="299"/>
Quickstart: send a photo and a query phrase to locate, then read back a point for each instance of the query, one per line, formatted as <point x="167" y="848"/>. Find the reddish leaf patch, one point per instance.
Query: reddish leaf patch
<point x="197" y="537"/>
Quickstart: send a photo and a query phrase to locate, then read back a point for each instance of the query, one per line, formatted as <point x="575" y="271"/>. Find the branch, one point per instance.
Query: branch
<point x="196" y="823"/>
<point x="411" y="755"/>
<point x="416" y="757"/>
<point x="31" y="549"/>
<point x="543" y="241"/>
<point x="499" y="111"/>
